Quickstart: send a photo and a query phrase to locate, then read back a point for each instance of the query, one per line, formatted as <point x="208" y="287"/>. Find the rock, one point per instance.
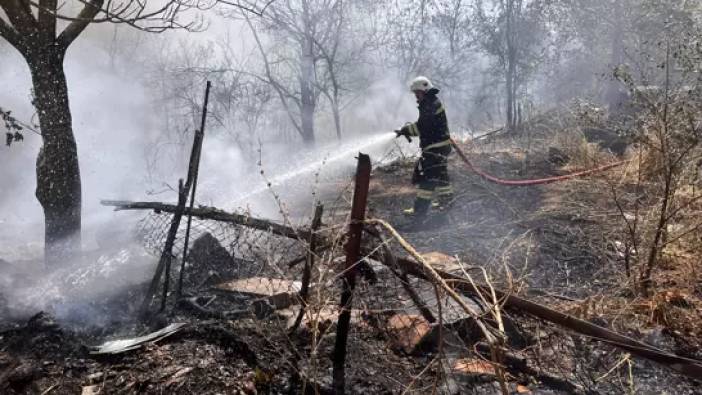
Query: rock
<point x="207" y="250"/>
<point x="320" y="319"/>
<point x="261" y="286"/>
<point x="90" y="390"/>
<point x="209" y="262"/>
<point x="272" y="293"/>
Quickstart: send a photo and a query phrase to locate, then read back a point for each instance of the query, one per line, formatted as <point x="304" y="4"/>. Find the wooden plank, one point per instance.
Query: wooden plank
<point x="260" y="286"/>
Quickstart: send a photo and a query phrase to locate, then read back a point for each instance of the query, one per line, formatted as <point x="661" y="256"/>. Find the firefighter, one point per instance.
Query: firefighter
<point x="430" y="172"/>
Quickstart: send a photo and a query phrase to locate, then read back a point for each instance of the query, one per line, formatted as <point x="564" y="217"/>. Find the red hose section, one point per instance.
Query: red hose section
<point x="537" y="181"/>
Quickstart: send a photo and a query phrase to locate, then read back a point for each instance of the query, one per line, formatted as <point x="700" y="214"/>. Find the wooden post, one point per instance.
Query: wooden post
<point x="307" y="272"/>
<point x="353" y="251"/>
<point x="182" y="198"/>
<point x="167" y="253"/>
<point x="164" y="263"/>
<point x="193" y="170"/>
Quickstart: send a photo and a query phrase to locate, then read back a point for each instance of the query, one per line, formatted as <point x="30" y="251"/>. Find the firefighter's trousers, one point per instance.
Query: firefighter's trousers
<point x="431" y="178"/>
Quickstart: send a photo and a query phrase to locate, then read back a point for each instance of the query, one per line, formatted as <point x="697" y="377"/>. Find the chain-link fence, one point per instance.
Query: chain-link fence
<point x="221" y="251"/>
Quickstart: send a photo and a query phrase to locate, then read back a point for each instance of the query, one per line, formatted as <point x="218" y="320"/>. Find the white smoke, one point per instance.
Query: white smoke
<point x="116" y="124"/>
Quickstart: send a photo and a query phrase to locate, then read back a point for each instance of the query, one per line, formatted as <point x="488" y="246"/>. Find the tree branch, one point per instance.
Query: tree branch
<point x="251" y="8"/>
<point x="212" y="213"/>
<point x="11" y="35"/>
<point x="278" y="88"/>
<point x="132" y="13"/>
<point x="21" y="19"/>
<point x="75" y="28"/>
<point x="47" y="21"/>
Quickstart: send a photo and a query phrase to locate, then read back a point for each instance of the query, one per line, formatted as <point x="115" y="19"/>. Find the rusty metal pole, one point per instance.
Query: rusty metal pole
<point x="353" y="254"/>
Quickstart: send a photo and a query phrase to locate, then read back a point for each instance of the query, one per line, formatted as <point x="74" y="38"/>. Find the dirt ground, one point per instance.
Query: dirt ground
<point x="553" y="255"/>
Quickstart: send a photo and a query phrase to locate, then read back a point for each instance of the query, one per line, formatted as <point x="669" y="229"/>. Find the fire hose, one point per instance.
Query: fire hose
<point x="537" y="181"/>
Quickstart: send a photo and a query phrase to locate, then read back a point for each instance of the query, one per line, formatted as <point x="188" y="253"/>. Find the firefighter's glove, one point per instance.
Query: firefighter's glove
<point x="404" y="131"/>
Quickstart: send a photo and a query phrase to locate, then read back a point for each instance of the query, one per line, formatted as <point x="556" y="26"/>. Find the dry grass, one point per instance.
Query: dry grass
<point x="609" y="207"/>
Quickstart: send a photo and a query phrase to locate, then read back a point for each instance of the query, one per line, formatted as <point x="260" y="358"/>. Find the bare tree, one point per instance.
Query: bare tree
<point x="313" y="48"/>
<point x="294" y="24"/>
<point x="33" y="28"/>
<point x="668" y="128"/>
<point x="328" y="48"/>
<point x="514" y="33"/>
<point x="433" y="38"/>
<point x="408" y="39"/>
<point x="602" y="29"/>
<point x="607" y="34"/>
<point x="239" y="99"/>
<point x="345" y="52"/>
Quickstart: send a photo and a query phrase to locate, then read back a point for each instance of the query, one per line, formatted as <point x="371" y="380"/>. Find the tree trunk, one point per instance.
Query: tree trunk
<point x="58" y="174"/>
<point x="337" y="114"/>
<point x="511" y="69"/>
<point x="510" y="95"/>
<point x="613" y="95"/>
<point x="307" y="119"/>
<point x="307" y="94"/>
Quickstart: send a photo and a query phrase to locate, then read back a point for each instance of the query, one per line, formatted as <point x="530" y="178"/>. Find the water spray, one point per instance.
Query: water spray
<point x="342" y="154"/>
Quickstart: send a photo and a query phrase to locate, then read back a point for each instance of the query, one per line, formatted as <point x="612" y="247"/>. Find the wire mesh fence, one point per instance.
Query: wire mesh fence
<point x="221" y="251"/>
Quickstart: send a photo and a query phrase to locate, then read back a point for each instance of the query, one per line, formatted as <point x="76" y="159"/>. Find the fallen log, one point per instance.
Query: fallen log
<point x="215" y="214"/>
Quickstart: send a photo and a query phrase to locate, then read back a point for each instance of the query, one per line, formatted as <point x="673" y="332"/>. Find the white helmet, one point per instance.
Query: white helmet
<point x="421" y="84"/>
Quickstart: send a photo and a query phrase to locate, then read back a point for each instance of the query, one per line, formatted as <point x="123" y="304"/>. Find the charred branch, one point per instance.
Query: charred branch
<point x="215" y="214"/>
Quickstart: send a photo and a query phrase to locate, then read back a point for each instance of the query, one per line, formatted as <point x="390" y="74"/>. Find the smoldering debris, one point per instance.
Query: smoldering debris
<point x="93" y="292"/>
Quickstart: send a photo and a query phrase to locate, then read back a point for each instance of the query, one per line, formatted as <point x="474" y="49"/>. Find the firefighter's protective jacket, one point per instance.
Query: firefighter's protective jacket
<point x="432" y="125"/>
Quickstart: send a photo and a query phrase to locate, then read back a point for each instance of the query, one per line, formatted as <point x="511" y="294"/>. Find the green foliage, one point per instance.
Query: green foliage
<point x="13" y="128"/>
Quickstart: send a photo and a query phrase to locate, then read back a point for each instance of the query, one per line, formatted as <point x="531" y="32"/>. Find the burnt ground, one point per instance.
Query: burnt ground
<point x="549" y="237"/>
<point x="206" y="357"/>
<point x="557" y="242"/>
<point x="488" y="224"/>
